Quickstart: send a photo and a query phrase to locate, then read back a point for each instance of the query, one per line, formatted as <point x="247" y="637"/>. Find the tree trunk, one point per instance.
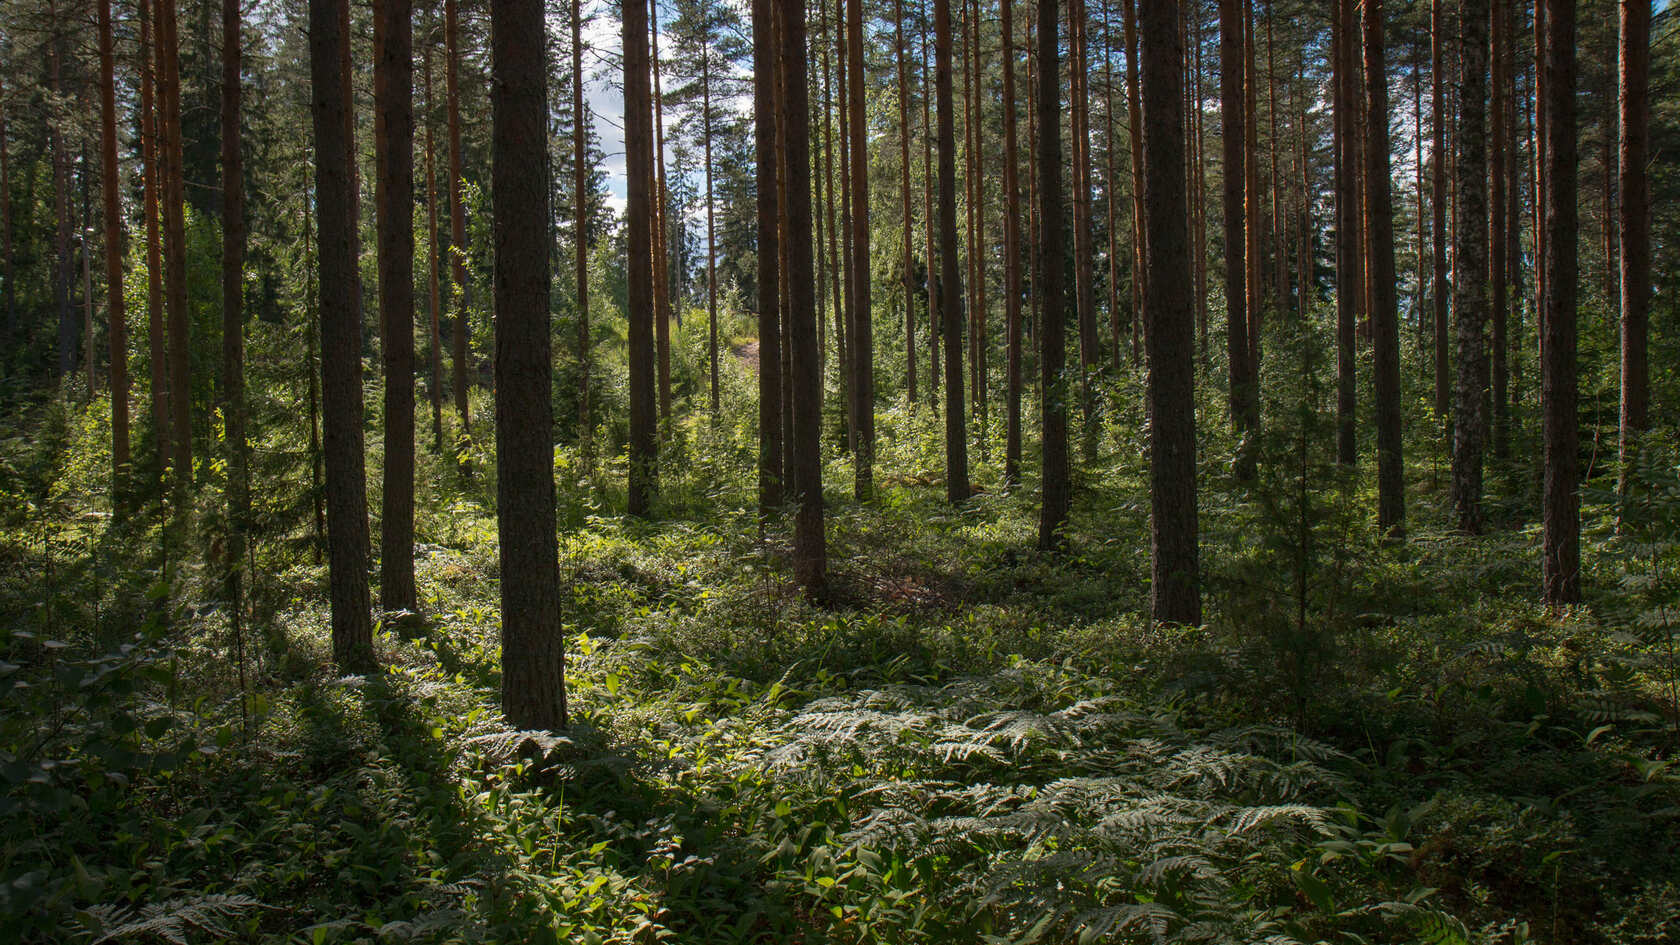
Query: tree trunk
<point x="434" y="335"/>
<point x="1385" y="319"/>
<point x="1634" y="223"/>
<point x="533" y="645"/>
<point x="9" y="300"/>
<point x="175" y="242"/>
<point x="580" y="225"/>
<point x="156" y="339"/>
<point x="846" y="318"/>
<point x="950" y="283"/>
<point x="233" y="318"/>
<point x="1498" y="225"/>
<point x="1079" y="107"/>
<point x="1244" y="400"/>
<point x="1175" y="585"/>
<point x="393" y="82"/>
<point x="662" y="233"/>
<point x="462" y="327"/>
<point x="770" y="446"/>
<point x="61" y="208"/>
<point x="1470" y="254"/>
<point x="638" y="147"/>
<point x="1438" y="209"/>
<point x="1560" y="500"/>
<point x="810" y="556"/>
<point x="929" y="223"/>
<point x="1053" y="284"/>
<point x="908" y="261"/>
<point x="1134" y="126"/>
<point x="341" y="343"/>
<point x="1348" y="285"/>
<point x="1011" y="256"/>
<point x="863" y="332"/>
<point x="111" y="211"/>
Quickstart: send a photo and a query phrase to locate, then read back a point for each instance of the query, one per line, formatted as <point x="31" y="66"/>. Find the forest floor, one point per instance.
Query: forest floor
<point x="969" y="741"/>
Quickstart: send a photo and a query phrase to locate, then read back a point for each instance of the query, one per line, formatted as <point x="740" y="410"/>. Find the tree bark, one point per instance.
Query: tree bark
<point x="462" y="328"/>
<point x="580" y="224"/>
<point x="908" y="261"/>
<point x="1634" y="224"/>
<point x="434" y="389"/>
<point x="1385" y="319"/>
<point x="1498" y="225"/>
<point x="662" y="233"/>
<point x="638" y="146"/>
<point x="175" y="242"/>
<point x="950" y="282"/>
<point x="1175" y="583"/>
<point x="1560" y="500"/>
<point x="112" y="213"/>
<point x="1053" y="284"/>
<point x="533" y="646"/>
<point x="233" y="317"/>
<point x="1438" y="209"/>
<point x="1348" y="284"/>
<point x="863" y="332"/>
<point x="1011" y="255"/>
<point x="151" y="173"/>
<point x="810" y="554"/>
<point x="1470" y="254"/>
<point x="1244" y="400"/>
<point x="770" y="446"/>
<point x="341" y="343"/>
<point x="393" y="81"/>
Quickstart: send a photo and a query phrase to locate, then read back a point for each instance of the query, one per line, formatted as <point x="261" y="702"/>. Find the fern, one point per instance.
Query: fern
<point x="171" y="921"/>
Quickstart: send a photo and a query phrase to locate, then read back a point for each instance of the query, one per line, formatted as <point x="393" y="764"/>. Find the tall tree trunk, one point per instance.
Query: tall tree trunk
<point x="233" y="319"/>
<point x="1244" y="400"/>
<point x="638" y="147"/>
<point x="580" y="226"/>
<point x="1280" y="257"/>
<point x="1499" y="227"/>
<point x="770" y="446"/>
<point x="1090" y="347"/>
<point x="1470" y="254"/>
<point x="662" y="233"/>
<point x="462" y="327"/>
<point x="908" y="262"/>
<point x="1111" y="180"/>
<point x="312" y="365"/>
<point x="1053" y="283"/>
<point x="863" y="332"/>
<point x="1134" y="127"/>
<point x="1175" y="583"/>
<point x="1200" y="167"/>
<point x="151" y="176"/>
<point x="1011" y="255"/>
<point x="533" y="645"/>
<point x="61" y="207"/>
<point x="1560" y="499"/>
<point x="112" y="212"/>
<point x="1438" y="209"/>
<point x="393" y="81"/>
<point x="341" y="344"/>
<point x="1252" y="248"/>
<point x="929" y="223"/>
<point x="950" y="282"/>
<point x="845" y="323"/>
<point x="809" y="549"/>
<point x="1385" y="319"/>
<point x="978" y="386"/>
<point x="434" y="389"/>
<point x="1348" y="284"/>
<point x="9" y="299"/>
<point x="175" y="241"/>
<point x="1634" y="223"/>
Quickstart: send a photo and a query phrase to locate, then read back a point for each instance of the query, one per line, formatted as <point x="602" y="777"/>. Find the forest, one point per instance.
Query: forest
<point x="869" y="471"/>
